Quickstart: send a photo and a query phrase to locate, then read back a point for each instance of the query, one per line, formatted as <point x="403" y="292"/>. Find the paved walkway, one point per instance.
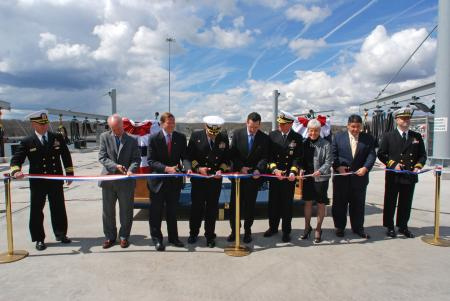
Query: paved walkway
<point x="339" y="269"/>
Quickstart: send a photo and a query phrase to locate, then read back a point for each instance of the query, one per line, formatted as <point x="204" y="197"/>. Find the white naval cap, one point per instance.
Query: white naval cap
<point x="213" y="124"/>
<point x="285" y="117"/>
<point x="40" y="117"/>
<point x="403" y="112"/>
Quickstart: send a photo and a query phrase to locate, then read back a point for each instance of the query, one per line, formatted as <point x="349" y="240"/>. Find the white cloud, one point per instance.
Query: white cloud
<point x="238" y="22"/>
<point x="149" y="42"/>
<point x="304" y="48"/>
<point x="274" y="4"/>
<point x="231" y="38"/>
<point x="4" y="66"/>
<point x="47" y="40"/>
<point x="114" y="38"/>
<point x="382" y="55"/>
<point x="61" y="51"/>
<point x="66" y="51"/>
<point x="301" y="13"/>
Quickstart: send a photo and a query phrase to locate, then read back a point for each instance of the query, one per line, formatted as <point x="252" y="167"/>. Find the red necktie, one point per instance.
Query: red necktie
<point x="169" y="144"/>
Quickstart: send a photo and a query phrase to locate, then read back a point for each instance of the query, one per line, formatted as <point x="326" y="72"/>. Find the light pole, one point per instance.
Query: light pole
<point x="169" y="40"/>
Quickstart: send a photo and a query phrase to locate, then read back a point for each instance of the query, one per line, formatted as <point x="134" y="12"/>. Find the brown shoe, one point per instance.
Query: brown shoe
<point x="108" y="243"/>
<point x="124" y="243"/>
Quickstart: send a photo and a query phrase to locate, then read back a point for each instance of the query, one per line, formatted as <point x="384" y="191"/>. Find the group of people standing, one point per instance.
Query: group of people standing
<point x="283" y="153"/>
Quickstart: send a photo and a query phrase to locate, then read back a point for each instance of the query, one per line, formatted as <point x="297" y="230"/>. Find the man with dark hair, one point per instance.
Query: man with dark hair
<point x="207" y="154"/>
<point x="401" y="149"/>
<point x="249" y="153"/>
<point x="45" y="150"/>
<point x="353" y="152"/>
<point x="166" y="150"/>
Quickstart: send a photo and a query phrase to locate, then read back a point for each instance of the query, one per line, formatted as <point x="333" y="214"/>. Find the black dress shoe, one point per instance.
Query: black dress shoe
<point x="270" y="232"/>
<point x="391" y="232"/>
<point x="286" y="237"/>
<point x="159" y="245"/>
<point x="40" y="246"/>
<point x="406" y="232"/>
<point x="192" y="239"/>
<point x="64" y="240"/>
<point x="362" y="234"/>
<point x="231" y="237"/>
<point x="177" y="243"/>
<point x="340" y="232"/>
<point x="248" y="237"/>
<point x="210" y="243"/>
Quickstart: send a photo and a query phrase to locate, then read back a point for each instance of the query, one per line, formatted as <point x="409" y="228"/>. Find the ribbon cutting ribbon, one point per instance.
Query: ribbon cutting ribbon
<point x="192" y="175"/>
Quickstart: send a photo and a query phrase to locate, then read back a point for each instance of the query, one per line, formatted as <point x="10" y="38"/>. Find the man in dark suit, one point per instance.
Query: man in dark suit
<point x="207" y="152"/>
<point x="44" y="151"/>
<point x="353" y="151"/>
<point x="119" y="154"/>
<point x="400" y="149"/>
<point x="166" y="150"/>
<point x="285" y="155"/>
<point x="249" y="153"/>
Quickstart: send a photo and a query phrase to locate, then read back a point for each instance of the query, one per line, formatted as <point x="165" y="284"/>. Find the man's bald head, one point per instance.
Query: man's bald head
<point x="115" y="124"/>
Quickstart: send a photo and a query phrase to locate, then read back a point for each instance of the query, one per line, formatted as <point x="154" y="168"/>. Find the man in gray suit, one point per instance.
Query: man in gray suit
<point x="119" y="154"/>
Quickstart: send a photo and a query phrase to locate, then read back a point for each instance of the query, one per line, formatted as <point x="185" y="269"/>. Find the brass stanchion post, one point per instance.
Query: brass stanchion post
<point x="236" y="250"/>
<point x="11" y="255"/>
<point x="435" y="239"/>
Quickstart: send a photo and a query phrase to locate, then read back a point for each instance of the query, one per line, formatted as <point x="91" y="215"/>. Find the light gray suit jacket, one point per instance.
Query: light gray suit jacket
<point x="127" y="154"/>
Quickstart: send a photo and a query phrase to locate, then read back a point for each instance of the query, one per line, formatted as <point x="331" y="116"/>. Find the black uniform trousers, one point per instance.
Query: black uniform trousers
<point x="348" y="194"/>
<point x="405" y="193"/>
<point x="39" y="190"/>
<point x="248" y="193"/>
<point x="205" y="195"/>
<point x="281" y="195"/>
<point x="167" y="197"/>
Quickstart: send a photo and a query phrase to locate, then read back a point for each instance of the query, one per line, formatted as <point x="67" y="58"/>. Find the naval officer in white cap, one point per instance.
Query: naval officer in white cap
<point x="401" y="149"/>
<point x="207" y="154"/>
<point x="285" y="157"/>
<point x="44" y="150"/>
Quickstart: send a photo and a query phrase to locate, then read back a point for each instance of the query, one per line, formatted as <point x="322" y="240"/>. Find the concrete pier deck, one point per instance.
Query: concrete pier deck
<point x="336" y="269"/>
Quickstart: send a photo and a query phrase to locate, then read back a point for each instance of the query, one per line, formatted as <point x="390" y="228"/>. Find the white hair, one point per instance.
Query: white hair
<point x="314" y="123"/>
<point x="114" y="118"/>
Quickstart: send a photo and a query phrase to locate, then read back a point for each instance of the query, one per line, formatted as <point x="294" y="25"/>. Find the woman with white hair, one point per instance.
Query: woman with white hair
<point x="317" y="161"/>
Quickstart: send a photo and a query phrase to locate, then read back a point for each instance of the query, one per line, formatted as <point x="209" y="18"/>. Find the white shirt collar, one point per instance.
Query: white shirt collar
<point x="165" y="133"/>
<point x="350" y="136"/>
<point x="40" y="136"/>
<point x="401" y="132"/>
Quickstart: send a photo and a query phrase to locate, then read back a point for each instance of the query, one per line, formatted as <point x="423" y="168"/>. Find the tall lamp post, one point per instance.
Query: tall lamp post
<point x="169" y="40"/>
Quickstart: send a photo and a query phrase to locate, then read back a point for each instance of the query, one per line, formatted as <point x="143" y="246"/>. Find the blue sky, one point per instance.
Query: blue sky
<point x="227" y="59"/>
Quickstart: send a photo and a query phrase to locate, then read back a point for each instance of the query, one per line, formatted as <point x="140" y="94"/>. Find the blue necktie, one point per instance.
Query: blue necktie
<point x="117" y="141"/>
<point x="250" y="143"/>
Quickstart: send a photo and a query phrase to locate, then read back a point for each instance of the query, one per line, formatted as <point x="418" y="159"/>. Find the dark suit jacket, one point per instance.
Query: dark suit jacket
<point x="110" y="156"/>
<point x="285" y="155"/>
<point x="158" y="158"/>
<point x="43" y="160"/>
<point x="411" y="154"/>
<point x="364" y="156"/>
<point x="241" y="156"/>
<point x="200" y="154"/>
